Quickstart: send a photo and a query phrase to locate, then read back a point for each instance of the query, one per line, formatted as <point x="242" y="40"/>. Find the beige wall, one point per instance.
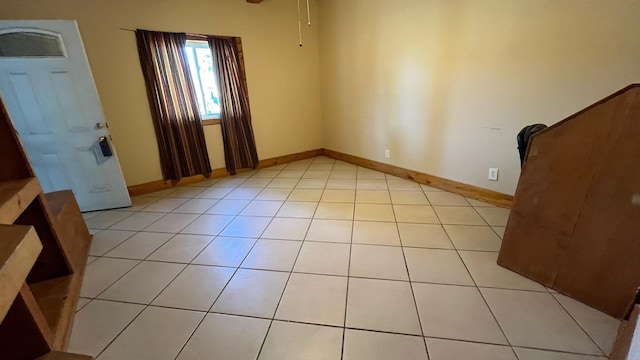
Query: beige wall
<point x="447" y="84"/>
<point x="444" y="84"/>
<point x="283" y="79"/>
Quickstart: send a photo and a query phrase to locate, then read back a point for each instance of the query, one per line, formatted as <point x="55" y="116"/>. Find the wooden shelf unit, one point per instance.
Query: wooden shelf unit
<point x="44" y="244"/>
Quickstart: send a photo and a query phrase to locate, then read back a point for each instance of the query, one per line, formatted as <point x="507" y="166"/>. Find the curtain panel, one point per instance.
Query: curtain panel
<point x="235" y="116"/>
<point x="174" y="107"/>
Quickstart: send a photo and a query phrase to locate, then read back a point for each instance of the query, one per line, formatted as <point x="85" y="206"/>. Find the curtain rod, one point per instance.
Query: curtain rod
<point x="188" y="34"/>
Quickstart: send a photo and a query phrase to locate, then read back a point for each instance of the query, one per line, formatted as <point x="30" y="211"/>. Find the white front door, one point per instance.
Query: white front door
<point x="48" y="89"/>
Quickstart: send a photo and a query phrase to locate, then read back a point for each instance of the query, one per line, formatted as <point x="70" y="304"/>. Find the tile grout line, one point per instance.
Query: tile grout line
<point x="213" y="237"/>
<point x="495" y="318"/>
<point x="217" y="296"/>
<point x="293" y="240"/>
<point x="492" y="313"/>
<point x="230" y="278"/>
<point x="129" y="323"/>
<point x="363" y="329"/>
<point x="346" y="298"/>
<point x="118" y="279"/>
<point x="579" y="325"/>
<point x="149" y="304"/>
<point x="284" y="289"/>
<point x="239" y="264"/>
<point x="406" y="265"/>
<point x="589" y="356"/>
<point x="115" y="246"/>
<point x="290" y="272"/>
<point x="312" y="218"/>
<point x="334" y="275"/>
<point x="146" y="306"/>
<point x="504" y="334"/>
<point x="272" y="218"/>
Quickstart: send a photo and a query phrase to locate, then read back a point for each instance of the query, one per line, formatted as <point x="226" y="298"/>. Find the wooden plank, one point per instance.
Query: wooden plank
<point x="14" y="161"/>
<point x="54" y="298"/>
<point x="551" y="191"/>
<point x="279" y="160"/>
<point x="58" y="297"/>
<point x="70" y="227"/>
<point x="30" y="301"/>
<point x="24" y="332"/>
<point x="602" y="268"/>
<point x="574" y="221"/>
<point x="19" y="249"/>
<point x="65" y="324"/>
<point x="627" y="344"/>
<point x="58" y="355"/>
<point x="15" y="196"/>
<point x="209" y="122"/>
<point x="159" y="185"/>
<point x="52" y="261"/>
<point x="470" y="191"/>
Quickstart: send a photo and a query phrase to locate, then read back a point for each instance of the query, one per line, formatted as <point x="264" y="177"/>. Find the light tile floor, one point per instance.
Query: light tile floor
<point x="318" y="259"/>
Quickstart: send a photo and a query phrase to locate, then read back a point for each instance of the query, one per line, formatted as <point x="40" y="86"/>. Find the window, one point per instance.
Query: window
<point x="31" y="43"/>
<point x="201" y="69"/>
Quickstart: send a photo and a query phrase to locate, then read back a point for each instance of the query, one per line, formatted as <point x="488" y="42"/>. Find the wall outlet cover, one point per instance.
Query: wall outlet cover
<point x="493" y="174"/>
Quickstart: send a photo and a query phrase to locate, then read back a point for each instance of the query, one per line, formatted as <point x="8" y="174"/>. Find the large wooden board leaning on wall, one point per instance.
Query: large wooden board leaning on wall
<point x="575" y="220"/>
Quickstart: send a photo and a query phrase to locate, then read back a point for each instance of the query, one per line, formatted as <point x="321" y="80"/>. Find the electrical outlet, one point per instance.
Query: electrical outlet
<point x="387" y="153"/>
<point x="493" y="174"/>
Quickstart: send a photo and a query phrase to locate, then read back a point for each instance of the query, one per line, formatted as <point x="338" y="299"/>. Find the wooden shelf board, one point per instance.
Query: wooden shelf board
<point x="58" y="298"/>
<point x="24" y="332"/>
<point x="57" y="201"/>
<point x="15" y="197"/>
<point x="19" y="249"/>
<point x="63" y="332"/>
<point x="55" y="299"/>
<point x="70" y="227"/>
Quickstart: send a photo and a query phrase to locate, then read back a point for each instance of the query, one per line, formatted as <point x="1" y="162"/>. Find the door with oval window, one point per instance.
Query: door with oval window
<point x="49" y="92"/>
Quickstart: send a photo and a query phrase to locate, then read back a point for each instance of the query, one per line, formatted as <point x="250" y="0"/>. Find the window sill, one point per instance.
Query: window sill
<point x="209" y="122"/>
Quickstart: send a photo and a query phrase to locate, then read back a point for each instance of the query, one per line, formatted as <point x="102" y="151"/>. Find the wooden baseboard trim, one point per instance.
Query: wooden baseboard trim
<point x="290" y="158"/>
<point x="470" y="191"/>
<point x="474" y="192"/>
<point x="159" y="185"/>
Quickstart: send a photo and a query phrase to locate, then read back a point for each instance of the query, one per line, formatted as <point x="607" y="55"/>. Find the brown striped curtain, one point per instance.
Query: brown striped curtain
<point x="174" y="107"/>
<point x="235" y="116"/>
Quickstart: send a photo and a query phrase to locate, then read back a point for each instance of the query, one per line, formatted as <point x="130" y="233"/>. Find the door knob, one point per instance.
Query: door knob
<point x="102" y="125"/>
